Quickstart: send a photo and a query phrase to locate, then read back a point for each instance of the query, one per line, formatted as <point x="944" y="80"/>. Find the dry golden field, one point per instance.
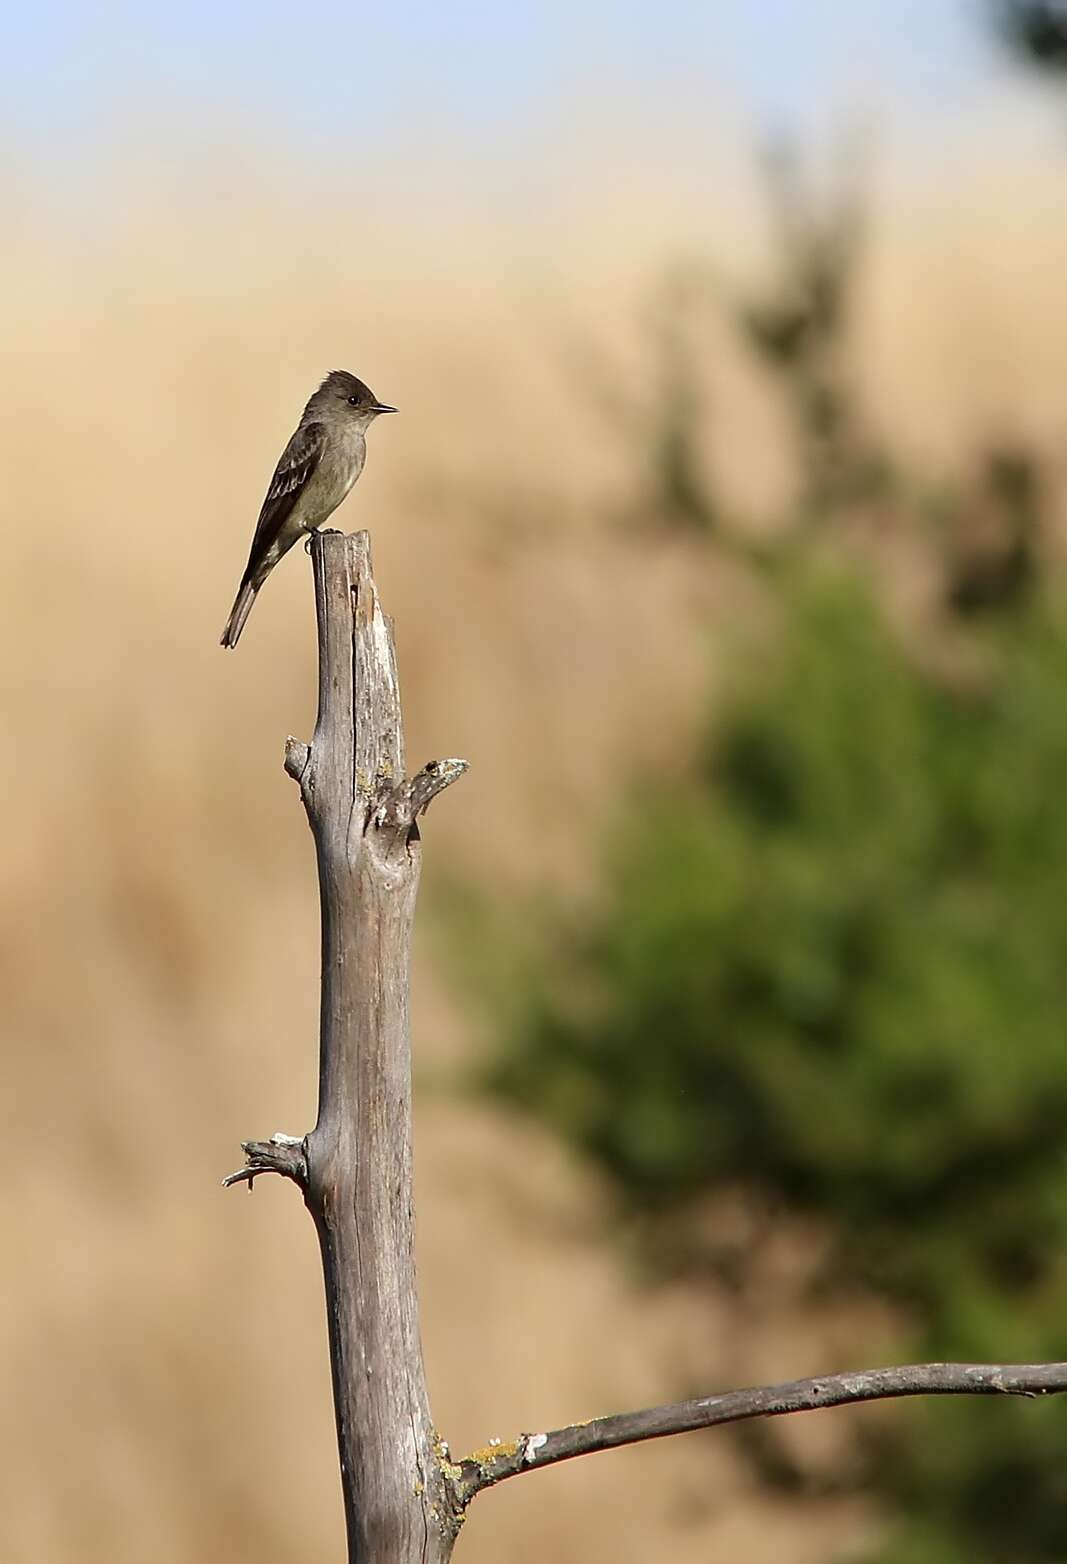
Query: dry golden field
<point x="162" y="1348"/>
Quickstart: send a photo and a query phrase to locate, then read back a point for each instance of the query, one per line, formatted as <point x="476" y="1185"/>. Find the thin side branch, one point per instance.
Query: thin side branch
<point x="496" y="1462"/>
<point x="284" y="1154"/>
<point x="401" y="806"/>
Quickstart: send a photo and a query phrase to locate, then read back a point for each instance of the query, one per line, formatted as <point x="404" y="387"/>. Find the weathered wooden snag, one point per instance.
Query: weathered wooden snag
<point x="355" y="1166"/>
<point x="404" y="1498"/>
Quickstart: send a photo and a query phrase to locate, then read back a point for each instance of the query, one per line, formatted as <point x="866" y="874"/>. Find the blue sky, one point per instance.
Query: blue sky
<point x="387" y="75"/>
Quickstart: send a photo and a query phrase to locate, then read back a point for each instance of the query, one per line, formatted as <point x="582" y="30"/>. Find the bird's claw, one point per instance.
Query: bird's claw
<point x="320" y="532"/>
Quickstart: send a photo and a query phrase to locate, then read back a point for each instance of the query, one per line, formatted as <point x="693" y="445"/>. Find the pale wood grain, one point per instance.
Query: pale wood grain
<point x="355" y="1165"/>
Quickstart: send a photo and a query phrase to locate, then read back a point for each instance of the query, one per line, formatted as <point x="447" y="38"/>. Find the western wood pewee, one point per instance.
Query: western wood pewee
<point x="318" y="467"/>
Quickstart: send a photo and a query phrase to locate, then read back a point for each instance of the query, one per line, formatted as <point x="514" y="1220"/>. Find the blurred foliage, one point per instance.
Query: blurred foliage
<point x="1035" y="31"/>
<point x="799" y="332"/>
<point x="833" y="976"/>
<point x="828" y="974"/>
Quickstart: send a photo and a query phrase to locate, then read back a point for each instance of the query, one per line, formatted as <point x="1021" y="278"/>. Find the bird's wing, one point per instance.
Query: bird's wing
<point x="298" y="462"/>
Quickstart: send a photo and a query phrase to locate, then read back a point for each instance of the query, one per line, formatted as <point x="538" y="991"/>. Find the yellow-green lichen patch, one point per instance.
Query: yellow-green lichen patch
<point x="449" y="1469"/>
<point x="495" y="1450"/>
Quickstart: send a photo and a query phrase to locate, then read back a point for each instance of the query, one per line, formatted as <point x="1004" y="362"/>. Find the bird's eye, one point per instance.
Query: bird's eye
<point x="353" y="401"/>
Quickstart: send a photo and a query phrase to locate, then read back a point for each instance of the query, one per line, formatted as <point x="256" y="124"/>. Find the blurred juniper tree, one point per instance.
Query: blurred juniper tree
<point x="829" y="975"/>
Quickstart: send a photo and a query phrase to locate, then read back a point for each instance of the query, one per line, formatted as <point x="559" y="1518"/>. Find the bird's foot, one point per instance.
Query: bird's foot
<point x="320" y="532"/>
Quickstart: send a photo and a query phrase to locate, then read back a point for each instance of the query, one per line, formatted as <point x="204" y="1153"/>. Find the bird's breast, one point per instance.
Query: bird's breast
<point x="351" y="454"/>
<point x="338" y="469"/>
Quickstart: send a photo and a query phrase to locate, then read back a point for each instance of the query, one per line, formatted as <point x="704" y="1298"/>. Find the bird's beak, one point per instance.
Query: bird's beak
<point x="382" y="407"/>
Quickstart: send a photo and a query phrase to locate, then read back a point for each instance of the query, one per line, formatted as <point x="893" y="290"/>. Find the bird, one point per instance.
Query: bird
<point x="317" y="469"/>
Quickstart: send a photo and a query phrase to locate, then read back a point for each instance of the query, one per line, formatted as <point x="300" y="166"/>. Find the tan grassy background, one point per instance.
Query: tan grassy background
<point x="163" y="1354"/>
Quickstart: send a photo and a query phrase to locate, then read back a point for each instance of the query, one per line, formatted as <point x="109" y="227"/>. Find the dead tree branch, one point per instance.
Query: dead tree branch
<point x="496" y="1462"/>
<point x="284" y="1154"/>
<point x="355" y="1165"/>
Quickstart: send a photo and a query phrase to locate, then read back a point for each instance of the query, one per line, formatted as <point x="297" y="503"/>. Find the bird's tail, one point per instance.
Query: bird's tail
<point x="239" y="613"/>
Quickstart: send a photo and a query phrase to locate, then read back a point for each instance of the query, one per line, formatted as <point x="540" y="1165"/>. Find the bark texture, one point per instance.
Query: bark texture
<point x="355" y="1166"/>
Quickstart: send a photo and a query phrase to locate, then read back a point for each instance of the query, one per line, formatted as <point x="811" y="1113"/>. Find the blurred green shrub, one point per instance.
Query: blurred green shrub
<point x="833" y="974"/>
<point x="828" y="974"/>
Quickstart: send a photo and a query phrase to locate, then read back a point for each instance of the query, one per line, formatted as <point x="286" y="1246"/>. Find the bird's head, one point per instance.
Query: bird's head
<point x="343" y="398"/>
